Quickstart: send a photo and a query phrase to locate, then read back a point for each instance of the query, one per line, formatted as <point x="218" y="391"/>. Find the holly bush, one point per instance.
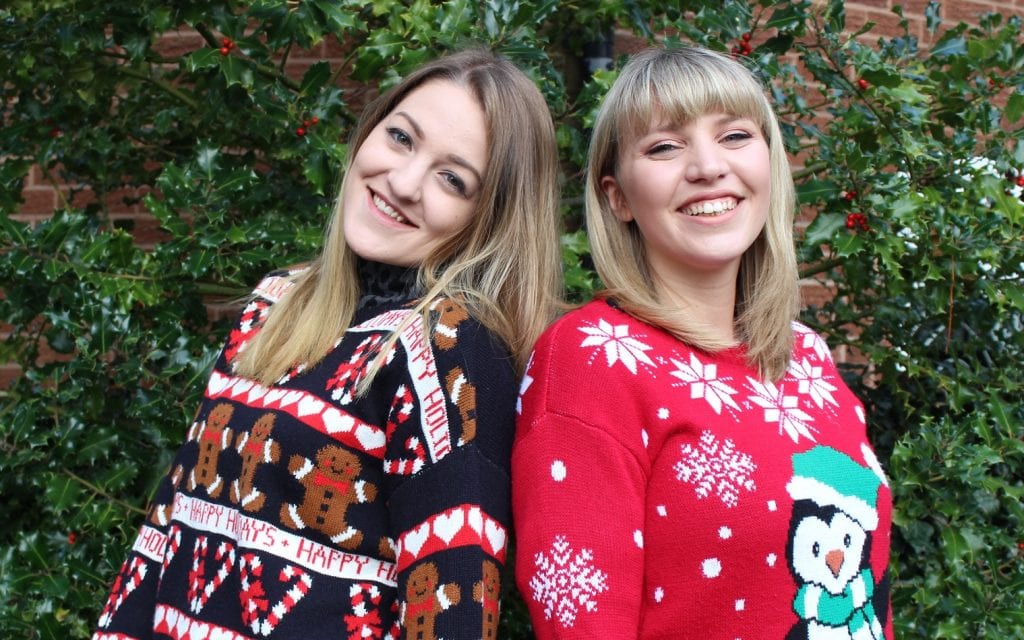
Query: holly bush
<point x="226" y="121"/>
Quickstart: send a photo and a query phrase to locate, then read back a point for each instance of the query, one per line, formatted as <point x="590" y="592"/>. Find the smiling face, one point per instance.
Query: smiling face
<point x="422" y="583"/>
<point x="343" y="464"/>
<point x="698" y="192"/>
<point x="416" y="179"/>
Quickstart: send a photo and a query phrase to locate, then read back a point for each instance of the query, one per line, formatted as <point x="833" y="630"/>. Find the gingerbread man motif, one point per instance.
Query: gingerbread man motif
<point x="160" y="514"/>
<point x="446" y="328"/>
<point x="255" y="448"/>
<point x="331" y="487"/>
<point x="213" y="437"/>
<point x="425" y="598"/>
<point x="487" y="591"/>
<point x="463" y="394"/>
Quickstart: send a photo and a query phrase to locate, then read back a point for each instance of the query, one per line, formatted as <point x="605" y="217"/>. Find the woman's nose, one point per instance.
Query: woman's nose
<point x="705" y="162"/>
<point x="406" y="179"/>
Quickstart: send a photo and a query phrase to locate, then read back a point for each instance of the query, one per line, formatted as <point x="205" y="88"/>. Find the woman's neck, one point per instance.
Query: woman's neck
<point x="711" y="302"/>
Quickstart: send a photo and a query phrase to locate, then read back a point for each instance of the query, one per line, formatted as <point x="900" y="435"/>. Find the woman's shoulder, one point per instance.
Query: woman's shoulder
<point x="598" y="320"/>
<point x="456" y="332"/>
<point x="595" y="312"/>
<point x="596" y="331"/>
<point x="809" y="343"/>
<point x="276" y="283"/>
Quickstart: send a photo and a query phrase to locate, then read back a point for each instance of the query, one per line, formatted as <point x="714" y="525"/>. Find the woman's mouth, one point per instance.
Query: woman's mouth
<point x="387" y="209"/>
<point x="710" y="208"/>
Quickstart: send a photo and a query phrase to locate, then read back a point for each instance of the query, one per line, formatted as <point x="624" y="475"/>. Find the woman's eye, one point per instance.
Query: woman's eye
<point x="661" y="147"/>
<point x="454" y="181"/>
<point x="399" y="136"/>
<point x="737" y="136"/>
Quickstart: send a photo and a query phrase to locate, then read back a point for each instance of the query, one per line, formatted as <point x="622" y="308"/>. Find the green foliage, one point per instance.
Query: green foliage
<point x="137" y="100"/>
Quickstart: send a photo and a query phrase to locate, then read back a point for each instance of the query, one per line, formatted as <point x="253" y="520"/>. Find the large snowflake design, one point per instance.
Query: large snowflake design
<point x="704" y="382"/>
<point x="566" y="581"/>
<point x="778" y="407"/>
<point x="810" y="340"/>
<point x="716" y="467"/>
<point x="810" y="381"/>
<point x="618" y="345"/>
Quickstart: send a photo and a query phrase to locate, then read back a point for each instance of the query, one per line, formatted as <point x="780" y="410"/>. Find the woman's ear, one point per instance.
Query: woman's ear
<point x="616" y="199"/>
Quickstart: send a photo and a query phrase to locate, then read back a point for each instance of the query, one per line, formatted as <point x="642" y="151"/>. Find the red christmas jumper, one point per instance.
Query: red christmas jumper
<point x="301" y="511"/>
<point x="662" y="492"/>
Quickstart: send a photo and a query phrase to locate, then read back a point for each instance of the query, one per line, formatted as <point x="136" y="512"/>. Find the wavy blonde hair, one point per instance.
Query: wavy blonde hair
<point x="681" y="84"/>
<point x="504" y="267"/>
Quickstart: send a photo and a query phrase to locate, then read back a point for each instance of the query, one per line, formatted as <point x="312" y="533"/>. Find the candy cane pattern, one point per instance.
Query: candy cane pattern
<point x="200" y="589"/>
<point x="401" y="409"/>
<point x="132" y="573"/>
<point x="173" y="542"/>
<point x="364" y="621"/>
<point x="346" y="378"/>
<point x="256" y="610"/>
<point x="249" y="326"/>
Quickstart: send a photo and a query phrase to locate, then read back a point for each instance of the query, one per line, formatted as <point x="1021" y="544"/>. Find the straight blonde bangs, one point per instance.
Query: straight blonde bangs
<point x="675" y="86"/>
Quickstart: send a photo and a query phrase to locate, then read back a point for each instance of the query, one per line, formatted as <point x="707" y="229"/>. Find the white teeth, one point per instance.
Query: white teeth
<point x="711" y="207"/>
<point x="388" y="209"/>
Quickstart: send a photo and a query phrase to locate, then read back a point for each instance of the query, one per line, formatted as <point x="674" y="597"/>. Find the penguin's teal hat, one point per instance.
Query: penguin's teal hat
<point x="829" y="477"/>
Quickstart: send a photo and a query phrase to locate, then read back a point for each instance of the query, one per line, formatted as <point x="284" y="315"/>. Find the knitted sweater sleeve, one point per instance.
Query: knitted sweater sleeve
<point x="447" y="461"/>
<point x="578" y="499"/>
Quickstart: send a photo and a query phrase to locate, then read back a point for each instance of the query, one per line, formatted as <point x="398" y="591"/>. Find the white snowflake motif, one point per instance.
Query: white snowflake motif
<point x="618" y="345"/>
<point x="811" y="340"/>
<point x="778" y="407"/>
<point x="567" y="581"/>
<point x="704" y="383"/>
<point x="811" y="382"/>
<point x="715" y="467"/>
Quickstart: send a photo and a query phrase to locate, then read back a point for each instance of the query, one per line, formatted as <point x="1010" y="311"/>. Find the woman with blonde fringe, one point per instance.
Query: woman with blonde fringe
<point x="347" y="475"/>
<point x="688" y="462"/>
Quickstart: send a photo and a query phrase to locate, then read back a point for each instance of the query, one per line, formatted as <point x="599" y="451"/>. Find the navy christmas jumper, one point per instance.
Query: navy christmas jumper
<point x="302" y="511"/>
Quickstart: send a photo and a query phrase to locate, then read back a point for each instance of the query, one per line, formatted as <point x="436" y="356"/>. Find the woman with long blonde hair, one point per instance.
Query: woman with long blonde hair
<point x="688" y="462"/>
<point x="347" y="474"/>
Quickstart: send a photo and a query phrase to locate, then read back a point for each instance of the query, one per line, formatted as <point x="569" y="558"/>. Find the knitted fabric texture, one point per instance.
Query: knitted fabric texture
<point x="663" y="492"/>
<point x="302" y="511"/>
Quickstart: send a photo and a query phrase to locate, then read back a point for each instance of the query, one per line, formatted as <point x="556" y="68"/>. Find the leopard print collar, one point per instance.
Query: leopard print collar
<point x="385" y="283"/>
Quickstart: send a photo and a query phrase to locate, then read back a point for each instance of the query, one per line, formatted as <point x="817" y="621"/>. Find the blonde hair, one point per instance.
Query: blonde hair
<point x="504" y="267"/>
<point x="681" y="84"/>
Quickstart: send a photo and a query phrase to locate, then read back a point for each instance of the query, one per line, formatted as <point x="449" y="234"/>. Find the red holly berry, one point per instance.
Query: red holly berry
<point x="863" y="84"/>
<point x="855" y="220"/>
<point x="226" y="42"/>
<point x="746" y="37"/>
<point x="72" y="537"/>
<point x="1020" y="181"/>
<point x="314" y="120"/>
<point x="225" y="51"/>
<point x="743" y="48"/>
<point x="849" y="195"/>
<point x="301" y="131"/>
